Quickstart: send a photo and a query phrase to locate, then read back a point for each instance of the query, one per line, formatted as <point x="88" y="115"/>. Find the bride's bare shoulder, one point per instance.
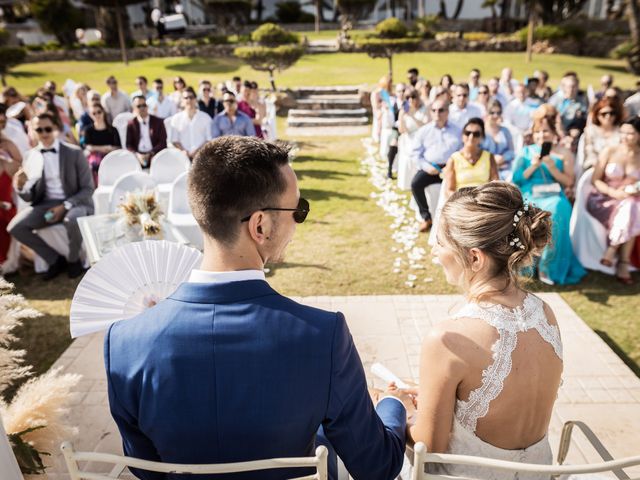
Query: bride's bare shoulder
<point x="457" y="337"/>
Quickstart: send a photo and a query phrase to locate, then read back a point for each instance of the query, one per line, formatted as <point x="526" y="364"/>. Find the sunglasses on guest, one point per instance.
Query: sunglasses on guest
<point x="495" y="113"/>
<point x="188" y="97"/>
<point x="230" y="101"/>
<point x="299" y="213"/>
<point x="483" y="92"/>
<point x="44" y="129"/>
<point x="438" y="110"/>
<point x="141" y="105"/>
<point x="469" y="133"/>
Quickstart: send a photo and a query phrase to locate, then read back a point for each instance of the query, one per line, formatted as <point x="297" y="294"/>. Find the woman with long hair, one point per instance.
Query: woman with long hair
<point x="99" y="139"/>
<point x="603" y="131"/>
<point x="498" y="140"/>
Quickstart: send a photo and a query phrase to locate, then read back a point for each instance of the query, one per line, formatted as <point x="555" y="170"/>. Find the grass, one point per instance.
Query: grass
<point x="321" y="69"/>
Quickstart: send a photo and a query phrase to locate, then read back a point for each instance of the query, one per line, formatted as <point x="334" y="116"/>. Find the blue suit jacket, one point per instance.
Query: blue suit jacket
<point x="234" y="372"/>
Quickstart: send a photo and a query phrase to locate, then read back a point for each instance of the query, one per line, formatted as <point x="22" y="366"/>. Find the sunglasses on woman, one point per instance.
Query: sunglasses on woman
<point x="468" y="133"/>
<point x="44" y="129"/>
<point x="299" y="213"/>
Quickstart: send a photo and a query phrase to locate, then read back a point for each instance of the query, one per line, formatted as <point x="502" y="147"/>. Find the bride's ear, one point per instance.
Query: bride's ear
<point x="477" y="259"/>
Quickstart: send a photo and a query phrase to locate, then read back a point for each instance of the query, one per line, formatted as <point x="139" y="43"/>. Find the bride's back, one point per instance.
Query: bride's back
<point x="519" y="386"/>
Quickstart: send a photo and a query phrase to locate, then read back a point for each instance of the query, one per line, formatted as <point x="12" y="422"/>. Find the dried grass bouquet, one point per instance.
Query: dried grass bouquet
<point x="141" y="208"/>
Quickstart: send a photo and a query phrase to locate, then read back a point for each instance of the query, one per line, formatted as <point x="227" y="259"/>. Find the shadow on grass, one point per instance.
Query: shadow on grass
<point x="201" y="65"/>
<point x="286" y="265"/>
<point x="321" y="174"/>
<point x="311" y="158"/>
<point x="612" y="68"/>
<point x="316" y="195"/>
<point x="26" y="74"/>
<point x="629" y="362"/>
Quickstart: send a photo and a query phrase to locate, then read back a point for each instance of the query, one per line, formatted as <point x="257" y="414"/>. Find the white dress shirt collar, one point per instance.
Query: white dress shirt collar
<point x="55" y="144"/>
<point x="205" y="276"/>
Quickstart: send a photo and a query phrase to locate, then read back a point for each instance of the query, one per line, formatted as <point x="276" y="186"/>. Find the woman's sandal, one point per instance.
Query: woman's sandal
<point x="624" y="280"/>
<point x="606" y="262"/>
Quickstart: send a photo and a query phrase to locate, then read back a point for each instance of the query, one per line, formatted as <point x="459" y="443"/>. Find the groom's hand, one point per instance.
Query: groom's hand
<point x="406" y="396"/>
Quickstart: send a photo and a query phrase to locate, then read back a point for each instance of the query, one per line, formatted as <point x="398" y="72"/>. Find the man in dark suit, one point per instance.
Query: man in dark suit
<point x="146" y="134"/>
<point x="227" y="369"/>
<point x="61" y="194"/>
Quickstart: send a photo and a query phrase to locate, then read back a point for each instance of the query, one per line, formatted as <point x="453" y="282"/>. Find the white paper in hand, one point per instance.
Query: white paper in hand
<point x="387" y="375"/>
<point x="129" y="280"/>
<point x="33" y="164"/>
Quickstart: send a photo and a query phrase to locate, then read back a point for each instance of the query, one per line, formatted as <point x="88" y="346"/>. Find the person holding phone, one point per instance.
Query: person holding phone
<point x="542" y="172"/>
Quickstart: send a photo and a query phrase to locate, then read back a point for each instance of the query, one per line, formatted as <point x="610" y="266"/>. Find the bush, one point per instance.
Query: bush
<point x="554" y="32"/>
<point x="10" y="57"/>
<point x="392" y="28"/>
<point x="214" y="39"/>
<point x="272" y="35"/>
<point x="477" y="36"/>
<point x="269" y="59"/>
<point x="426" y="26"/>
<point x="622" y="51"/>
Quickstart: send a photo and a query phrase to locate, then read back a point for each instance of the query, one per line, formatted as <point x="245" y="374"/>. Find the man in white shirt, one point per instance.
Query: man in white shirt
<point x="507" y="83"/>
<point x="115" y="101"/>
<point x="63" y="193"/>
<point x="191" y="128"/>
<point x="160" y="105"/>
<point x="460" y="111"/>
<point x="141" y="83"/>
<point x="632" y="104"/>
<point x="495" y="93"/>
<point x="519" y="113"/>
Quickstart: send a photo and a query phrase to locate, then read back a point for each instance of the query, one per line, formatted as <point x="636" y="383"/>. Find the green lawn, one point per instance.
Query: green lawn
<point x="322" y="69"/>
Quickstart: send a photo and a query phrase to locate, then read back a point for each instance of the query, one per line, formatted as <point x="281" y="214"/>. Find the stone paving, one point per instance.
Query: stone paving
<point x="598" y="388"/>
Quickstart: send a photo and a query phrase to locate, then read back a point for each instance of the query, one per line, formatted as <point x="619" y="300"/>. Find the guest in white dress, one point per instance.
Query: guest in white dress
<point x="408" y="124"/>
<point x="489" y="376"/>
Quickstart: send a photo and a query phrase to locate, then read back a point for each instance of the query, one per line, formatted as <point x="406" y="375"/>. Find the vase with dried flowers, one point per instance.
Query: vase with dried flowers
<point x="141" y="216"/>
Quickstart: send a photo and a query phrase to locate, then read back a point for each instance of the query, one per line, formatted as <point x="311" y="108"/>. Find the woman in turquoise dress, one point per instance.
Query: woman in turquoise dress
<point x="542" y="181"/>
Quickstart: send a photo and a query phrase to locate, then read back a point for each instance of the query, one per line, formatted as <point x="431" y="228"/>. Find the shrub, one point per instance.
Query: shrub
<point x="426" y="26"/>
<point x="477" y="36"/>
<point x="272" y="35"/>
<point x="392" y="28"/>
<point x="269" y="59"/>
<point x="554" y="32"/>
<point x="622" y="51"/>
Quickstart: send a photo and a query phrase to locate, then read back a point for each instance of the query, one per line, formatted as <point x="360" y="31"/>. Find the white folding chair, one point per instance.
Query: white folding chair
<point x="129" y="182"/>
<point x="56" y="237"/>
<point x="166" y="166"/>
<point x="113" y="166"/>
<point x="318" y="462"/>
<point x="179" y="213"/>
<point x="422" y="459"/>
<point x="120" y="124"/>
<point x="270" y="124"/>
<point x="579" y="161"/>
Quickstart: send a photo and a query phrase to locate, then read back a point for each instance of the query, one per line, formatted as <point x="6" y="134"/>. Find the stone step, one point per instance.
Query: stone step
<point x="335" y="90"/>
<point x="329" y="112"/>
<point x="321" y="49"/>
<point x="326" y="122"/>
<point x="329" y="103"/>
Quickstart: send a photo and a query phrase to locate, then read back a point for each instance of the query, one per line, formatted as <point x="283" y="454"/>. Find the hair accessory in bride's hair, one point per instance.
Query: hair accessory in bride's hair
<point x="518" y="215"/>
<point x="515" y="242"/>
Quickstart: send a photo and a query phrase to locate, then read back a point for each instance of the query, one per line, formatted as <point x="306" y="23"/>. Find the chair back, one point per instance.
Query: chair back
<point x="178" y="199"/>
<point x="168" y="164"/>
<point x="120" y="124"/>
<point x="422" y="459"/>
<point x="71" y="457"/>
<point x="115" y="164"/>
<point x="167" y="127"/>
<point x="129" y="182"/>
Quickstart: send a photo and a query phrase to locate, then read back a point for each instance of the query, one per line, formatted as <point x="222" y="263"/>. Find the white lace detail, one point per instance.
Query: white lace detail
<point x="508" y="323"/>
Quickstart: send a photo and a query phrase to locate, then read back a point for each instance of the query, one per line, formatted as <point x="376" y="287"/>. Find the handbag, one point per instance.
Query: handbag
<point x="546" y="189"/>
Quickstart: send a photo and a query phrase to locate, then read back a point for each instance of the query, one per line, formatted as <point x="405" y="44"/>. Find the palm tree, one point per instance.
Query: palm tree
<point x="634" y="28"/>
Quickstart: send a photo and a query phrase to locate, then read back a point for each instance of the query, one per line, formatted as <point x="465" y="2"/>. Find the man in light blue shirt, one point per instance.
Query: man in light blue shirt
<point x="570" y="102"/>
<point x="231" y="121"/>
<point x="433" y="145"/>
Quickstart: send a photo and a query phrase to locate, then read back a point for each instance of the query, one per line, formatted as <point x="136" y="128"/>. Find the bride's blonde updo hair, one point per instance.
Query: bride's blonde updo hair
<point x="483" y="218"/>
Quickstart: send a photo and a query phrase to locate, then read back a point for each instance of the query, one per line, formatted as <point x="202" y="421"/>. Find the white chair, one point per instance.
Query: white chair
<point x="436" y="216"/>
<point x="56" y="237"/>
<point x="588" y="235"/>
<point x="113" y="166"/>
<point x="120" y="124"/>
<point x="421" y="460"/>
<point x="166" y="166"/>
<point x="179" y="213"/>
<point x="167" y="127"/>
<point x="270" y="124"/>
<point x="579" y="162"/>
<point x="119" y="462"/>
<point x="129" y="182"/>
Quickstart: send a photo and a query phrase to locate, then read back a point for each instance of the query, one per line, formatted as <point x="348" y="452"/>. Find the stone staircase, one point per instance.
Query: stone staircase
<point x="327" y="107"/>
<point x="322" y="46"/>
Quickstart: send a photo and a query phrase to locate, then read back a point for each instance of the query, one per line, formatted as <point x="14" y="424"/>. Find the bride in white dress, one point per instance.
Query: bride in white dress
<point x="489" y="376"/>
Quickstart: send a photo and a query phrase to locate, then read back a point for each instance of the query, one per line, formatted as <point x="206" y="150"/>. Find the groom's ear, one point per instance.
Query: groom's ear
<point x="259" y="226"/>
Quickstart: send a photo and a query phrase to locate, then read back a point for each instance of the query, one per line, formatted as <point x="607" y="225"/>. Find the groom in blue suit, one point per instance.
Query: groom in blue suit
<point x="227" y="369"/>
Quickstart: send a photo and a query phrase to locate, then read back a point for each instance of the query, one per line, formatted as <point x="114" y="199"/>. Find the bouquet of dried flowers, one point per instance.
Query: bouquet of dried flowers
<point x="141" y="208"/>
<point x="33" y="418"/>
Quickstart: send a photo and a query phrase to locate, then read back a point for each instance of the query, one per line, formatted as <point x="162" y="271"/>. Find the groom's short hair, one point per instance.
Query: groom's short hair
<point x="232" y="177"/>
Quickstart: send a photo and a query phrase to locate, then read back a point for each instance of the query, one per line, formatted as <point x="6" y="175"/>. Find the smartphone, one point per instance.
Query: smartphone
<point x="48" y="216"/>
<point x="546" y="149"/>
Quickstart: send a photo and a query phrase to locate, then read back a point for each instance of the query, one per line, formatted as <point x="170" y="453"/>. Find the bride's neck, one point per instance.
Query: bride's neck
<point x="493" y="290"/>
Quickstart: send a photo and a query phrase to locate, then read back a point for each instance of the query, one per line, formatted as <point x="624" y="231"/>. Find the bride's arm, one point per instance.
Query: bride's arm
<point x="441" y="370"/>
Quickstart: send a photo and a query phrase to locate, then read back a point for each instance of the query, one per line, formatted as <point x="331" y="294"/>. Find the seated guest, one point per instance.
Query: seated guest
<point x="176" y="96"/>
<point x="498" y="140"/>
<point x="570" y="101"/>
<point x="222" y="399"/>
<point x="460" y="111"/>
<point x="79" y="101"/>
<point x="44" y="104"/>
<point x="115" y="101"/>
<point x="632" y="104"/>
<point x="100" y="139"/>
<point x="542" y="180"/>
<point x="471" y="165"/>
<point x="489" y="376"/>
<point x="474" y="84"/>
<point x="10" y="97"/>
<point x="231" y="121"/>
<point x="252" y="106"/>
<point x="10" y="162"/>
<point x="146" y="134"/>
<point x="606" y="82"/>
<point x="206" y="102"/>
<point x="612" y="204"/>
<point x="494" y="92"/>
<point x="519" y="112"/>
<point x="482" y="97"/>
<point x="13" y="129"/>
<point x="62" y="194"/>
<point x="433" y="145"/>
<point x="85" y="120"/>
<point x="409" y="122"/>
<point x="543" y="90"/>
<point x="191" y="128"/>
<point x="507" y="83"/>
<point x="143" y="89"/>
<point x="57" y="100"/>
<point x="603" y="131"/>
<point x="160" y="105"/>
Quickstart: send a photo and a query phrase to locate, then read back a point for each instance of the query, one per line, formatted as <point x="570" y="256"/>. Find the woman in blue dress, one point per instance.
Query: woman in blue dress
<point x="542" y="181"/>
<point x="498" y="140"/>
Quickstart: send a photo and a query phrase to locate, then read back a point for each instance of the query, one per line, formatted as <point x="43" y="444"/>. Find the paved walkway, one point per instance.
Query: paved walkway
<point x="598" y="388"/>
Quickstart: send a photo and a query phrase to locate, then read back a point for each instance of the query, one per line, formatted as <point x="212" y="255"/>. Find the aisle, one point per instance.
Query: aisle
<point x="598" y="388"/>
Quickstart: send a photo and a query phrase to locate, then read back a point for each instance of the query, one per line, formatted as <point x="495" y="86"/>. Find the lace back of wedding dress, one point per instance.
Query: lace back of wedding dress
<point x="508" y="323"/>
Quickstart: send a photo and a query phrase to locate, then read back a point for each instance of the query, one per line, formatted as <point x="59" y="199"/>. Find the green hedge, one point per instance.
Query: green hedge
<point x="392" y="28"/>
<point x="554" y="32"/>
<point x="272" y="35"/>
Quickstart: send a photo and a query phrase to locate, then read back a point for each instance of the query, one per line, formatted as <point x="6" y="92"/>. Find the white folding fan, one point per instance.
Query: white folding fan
<point x="129" y="280"/>
<point x="33" y="164"/>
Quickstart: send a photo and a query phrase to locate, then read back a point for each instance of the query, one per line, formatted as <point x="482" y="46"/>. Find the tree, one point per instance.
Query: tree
<point x="274" y="49"/>
<point x="353" y="10"/>
<point x="390" y="38"/>
<point x="230" y="15"/>
<point x="119" y="9"/>
<point x="9" y="56"/>
<point x="59" y="18"/>
<point x="634" y="27"/>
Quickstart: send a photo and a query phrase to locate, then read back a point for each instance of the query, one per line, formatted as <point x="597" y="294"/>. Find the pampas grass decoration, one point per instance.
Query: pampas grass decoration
<point x="42" y="402"/>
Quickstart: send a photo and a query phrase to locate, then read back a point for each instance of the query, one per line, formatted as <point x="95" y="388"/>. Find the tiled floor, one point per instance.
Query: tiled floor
<point x="598" y="388"/>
